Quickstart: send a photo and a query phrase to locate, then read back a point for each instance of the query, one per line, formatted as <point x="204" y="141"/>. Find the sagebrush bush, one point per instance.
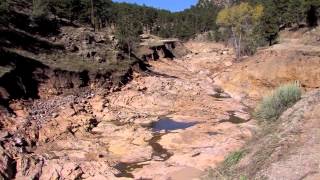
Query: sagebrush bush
<point x="278" y="101"/>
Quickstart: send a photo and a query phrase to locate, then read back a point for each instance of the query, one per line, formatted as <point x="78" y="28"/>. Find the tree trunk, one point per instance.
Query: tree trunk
<point x="235" y="43"/>
<point x="33" y="5"/>
<point x="92" y="16"/>
<point x="270" y="41"/>
<point x="239" y="46"/>
<point x="129" y="49"/>
<point x="236" y="46"/>
<point x="312" y="18"/>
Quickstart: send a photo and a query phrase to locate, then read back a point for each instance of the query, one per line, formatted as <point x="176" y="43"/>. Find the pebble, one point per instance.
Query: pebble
<point x="54" y="115"/>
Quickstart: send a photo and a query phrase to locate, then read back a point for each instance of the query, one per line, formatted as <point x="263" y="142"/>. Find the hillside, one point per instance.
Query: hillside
<point x="295" y="58"/>
<point x="75" y="58"/>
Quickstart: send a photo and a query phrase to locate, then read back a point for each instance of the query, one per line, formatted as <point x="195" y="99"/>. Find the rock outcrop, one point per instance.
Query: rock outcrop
<point x="154" y="48"/>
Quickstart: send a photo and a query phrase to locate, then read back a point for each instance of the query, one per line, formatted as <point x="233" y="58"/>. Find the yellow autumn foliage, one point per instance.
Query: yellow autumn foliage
<point x="241" y="19"/>
<point x="240" y="15"/>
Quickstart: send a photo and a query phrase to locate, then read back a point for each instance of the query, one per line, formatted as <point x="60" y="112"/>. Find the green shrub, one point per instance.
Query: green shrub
<point x="281" y="99"/>
<point x="233" y="158"/>
<point x="242" y="177"/>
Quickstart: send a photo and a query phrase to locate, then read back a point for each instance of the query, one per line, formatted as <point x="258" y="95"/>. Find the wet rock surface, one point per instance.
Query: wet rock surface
<point x="163" y="124"/>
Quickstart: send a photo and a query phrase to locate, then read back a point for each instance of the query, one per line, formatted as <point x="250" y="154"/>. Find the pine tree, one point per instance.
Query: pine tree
<point x="296" y="11"/>
<point x="270" y="22"/>
<point x="312" y="9"/>
<point x="127" y="32"/>
<point x="40" y="8"/>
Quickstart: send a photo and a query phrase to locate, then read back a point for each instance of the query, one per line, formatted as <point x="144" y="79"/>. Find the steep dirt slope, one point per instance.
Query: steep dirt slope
<point x="288" y="149"/>
<point x="301" y="134"/>
<point x="294" y="59"/>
